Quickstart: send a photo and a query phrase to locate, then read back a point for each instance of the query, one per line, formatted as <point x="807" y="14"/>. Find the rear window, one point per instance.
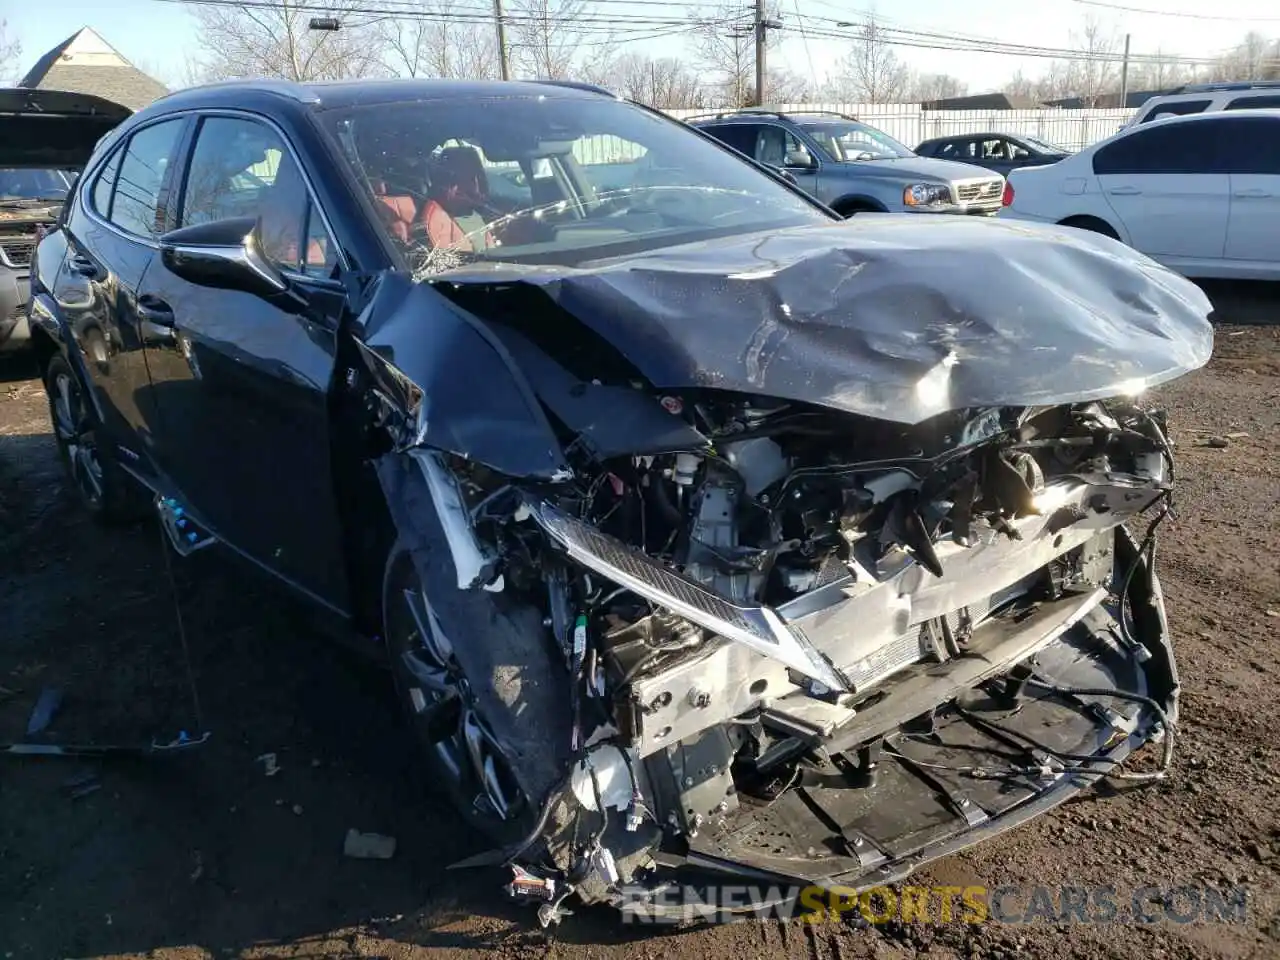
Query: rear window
<point x="1177" y="148"/>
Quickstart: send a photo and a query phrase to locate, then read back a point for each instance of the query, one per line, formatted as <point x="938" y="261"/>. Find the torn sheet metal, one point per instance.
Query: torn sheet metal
<point x="888" y="317"/>
<point x="454" y="382"/>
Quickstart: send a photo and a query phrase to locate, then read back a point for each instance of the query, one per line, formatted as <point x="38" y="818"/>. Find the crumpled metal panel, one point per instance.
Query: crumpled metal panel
<point x="890" y="316"/>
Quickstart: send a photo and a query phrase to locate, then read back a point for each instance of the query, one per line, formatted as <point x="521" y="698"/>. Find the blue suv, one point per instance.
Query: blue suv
<point x="853" y="167"/>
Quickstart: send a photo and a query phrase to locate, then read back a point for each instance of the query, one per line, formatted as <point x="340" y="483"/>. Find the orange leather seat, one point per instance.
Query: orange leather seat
<point x="398" y="211"/>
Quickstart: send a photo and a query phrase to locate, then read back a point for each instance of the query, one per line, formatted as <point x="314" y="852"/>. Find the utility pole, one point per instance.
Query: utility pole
<point x="1124" y="75"/>
<point x="504" y="60"/>
<point x="761" y="26"/>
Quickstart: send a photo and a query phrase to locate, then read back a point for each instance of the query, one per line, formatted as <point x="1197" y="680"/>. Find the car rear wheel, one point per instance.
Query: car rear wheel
<point x="101" y="485"/>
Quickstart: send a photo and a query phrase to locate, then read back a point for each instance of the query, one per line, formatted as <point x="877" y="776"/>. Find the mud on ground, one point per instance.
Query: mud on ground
<point x="204" y="855"/>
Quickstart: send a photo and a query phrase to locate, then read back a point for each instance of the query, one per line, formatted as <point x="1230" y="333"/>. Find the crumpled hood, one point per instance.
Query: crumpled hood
<point x="53" y="128"/>
<point x="889" y="317"/>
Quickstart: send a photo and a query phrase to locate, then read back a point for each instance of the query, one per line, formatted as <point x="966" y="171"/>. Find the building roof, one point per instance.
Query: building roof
<point x="85" y="63"/>
<point x="1134" y="99"/>
<point x="984" y="101"/>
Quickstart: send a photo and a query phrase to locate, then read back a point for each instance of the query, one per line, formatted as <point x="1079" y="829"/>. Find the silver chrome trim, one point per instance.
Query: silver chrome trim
<point x="757" y="627"/>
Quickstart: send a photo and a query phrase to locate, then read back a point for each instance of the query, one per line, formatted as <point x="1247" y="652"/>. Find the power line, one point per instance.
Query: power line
<point x="473" y="15"/>
<point x="1146" y="11"/>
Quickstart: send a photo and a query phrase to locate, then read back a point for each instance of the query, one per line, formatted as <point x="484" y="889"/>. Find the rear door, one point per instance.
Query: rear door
<point x="112" y="230"/>
<point x="1167" y="186"/>
<point x="1253" y="152"/>
<point x="242" y="386"/>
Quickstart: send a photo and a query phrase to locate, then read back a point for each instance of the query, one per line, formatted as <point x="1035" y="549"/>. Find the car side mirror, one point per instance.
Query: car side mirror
<point x="227" y="255"/>
<point x="800" y="159"/>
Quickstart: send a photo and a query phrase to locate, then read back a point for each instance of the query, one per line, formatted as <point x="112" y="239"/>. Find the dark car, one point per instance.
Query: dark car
<point x="45" y="138"/>
<point x="1001" y="152"/>
<point x="706" y="534"/>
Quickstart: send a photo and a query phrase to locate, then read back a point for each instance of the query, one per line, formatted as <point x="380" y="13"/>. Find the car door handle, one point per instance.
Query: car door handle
<point x="1124" y="191"/>
<point x="1253" y="193"/>
<point x="155" y="312"/>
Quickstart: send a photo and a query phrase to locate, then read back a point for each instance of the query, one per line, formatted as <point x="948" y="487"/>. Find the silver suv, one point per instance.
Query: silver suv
<point x="1209" y="97"/>
<point x="853" y="167"/>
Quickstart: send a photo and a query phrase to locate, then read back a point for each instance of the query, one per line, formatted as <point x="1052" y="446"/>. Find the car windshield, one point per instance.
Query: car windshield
<point x="22" y="183"/>
<point x="850" y="140"/>
<point x="1044" y="146"/>
<point x="549" y="180"/>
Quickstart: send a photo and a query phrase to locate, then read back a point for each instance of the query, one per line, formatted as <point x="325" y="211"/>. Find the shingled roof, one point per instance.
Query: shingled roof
<point x="85" y="63"/>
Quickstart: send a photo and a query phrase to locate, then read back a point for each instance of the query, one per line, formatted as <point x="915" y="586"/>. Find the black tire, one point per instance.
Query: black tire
<point x="1092" y="224"/>
<point x="100" y="484"/>
<point x="512" y="686"/>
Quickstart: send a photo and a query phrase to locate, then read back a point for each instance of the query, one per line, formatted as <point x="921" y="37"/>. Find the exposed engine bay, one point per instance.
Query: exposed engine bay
<point x="742" y="623"/>
<point x="810" y="641"/>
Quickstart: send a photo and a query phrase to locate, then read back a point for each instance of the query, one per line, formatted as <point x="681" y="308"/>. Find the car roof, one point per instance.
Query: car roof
<point x="343" y="93"/>
<point x="990" y="134"/>
<point x="1209" y="116"/>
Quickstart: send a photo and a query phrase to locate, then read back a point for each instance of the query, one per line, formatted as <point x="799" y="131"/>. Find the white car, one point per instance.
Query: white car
<point x="1200" y="194"/>
<point x="1208" y="97"/>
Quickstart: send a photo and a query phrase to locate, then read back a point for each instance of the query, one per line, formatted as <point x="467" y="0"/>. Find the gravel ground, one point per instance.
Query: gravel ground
<point x="203" y="855"/>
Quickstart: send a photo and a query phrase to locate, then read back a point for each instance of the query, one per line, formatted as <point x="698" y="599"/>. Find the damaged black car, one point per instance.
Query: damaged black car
<point x="705" y="534"/>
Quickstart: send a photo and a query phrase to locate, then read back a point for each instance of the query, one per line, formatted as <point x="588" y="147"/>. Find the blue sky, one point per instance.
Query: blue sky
<point x="159" y="36"/>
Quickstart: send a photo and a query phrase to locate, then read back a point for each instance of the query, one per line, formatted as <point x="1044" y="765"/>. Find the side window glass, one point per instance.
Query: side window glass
<point x="1183" y="109"/>
<point x="771" y="147"/>
<point x="242" y="168"/>
<point x="135" y="206"/>
<point x="740" y="136"/>
<point x="1251" y="145"/>
<point x="322" y="258"/>
<point x="1181" y="148"/>
<point x="1253" y="103"/>
<point x="105" y="183"/>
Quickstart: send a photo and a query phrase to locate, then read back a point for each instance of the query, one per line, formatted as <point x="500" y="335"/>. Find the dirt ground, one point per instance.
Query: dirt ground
<point x="203" y="855"/>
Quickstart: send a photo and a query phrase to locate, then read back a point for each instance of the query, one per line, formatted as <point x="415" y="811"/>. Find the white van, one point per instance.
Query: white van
<point x="1207" y="97"/>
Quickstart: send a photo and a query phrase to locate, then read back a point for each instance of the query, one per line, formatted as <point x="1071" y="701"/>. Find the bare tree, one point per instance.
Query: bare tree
<point x="431" y="42"/>
<point x="275" y="41"/>
<point x="1098" y="70"/>
<point x="923" y="87"/>
<point x="662" y="82"/>
<point x="724" y="44"/>
<point x="546" y="39"/>
<point x="871" y="71"/>
<point x="1161" y="72"/>
<point x="1253" y="58"/>
<point x="10" y="53"/>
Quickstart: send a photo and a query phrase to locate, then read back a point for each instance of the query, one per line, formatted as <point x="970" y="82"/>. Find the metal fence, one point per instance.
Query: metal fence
<point x="908" y="122"/>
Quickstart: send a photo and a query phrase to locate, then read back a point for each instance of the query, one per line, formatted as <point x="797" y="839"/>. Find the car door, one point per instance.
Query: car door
<point x="1253" y="229"/>
<point x="1167" y="187"/>
<point x="111" y="229"/>
<point x="243" y="385"/>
